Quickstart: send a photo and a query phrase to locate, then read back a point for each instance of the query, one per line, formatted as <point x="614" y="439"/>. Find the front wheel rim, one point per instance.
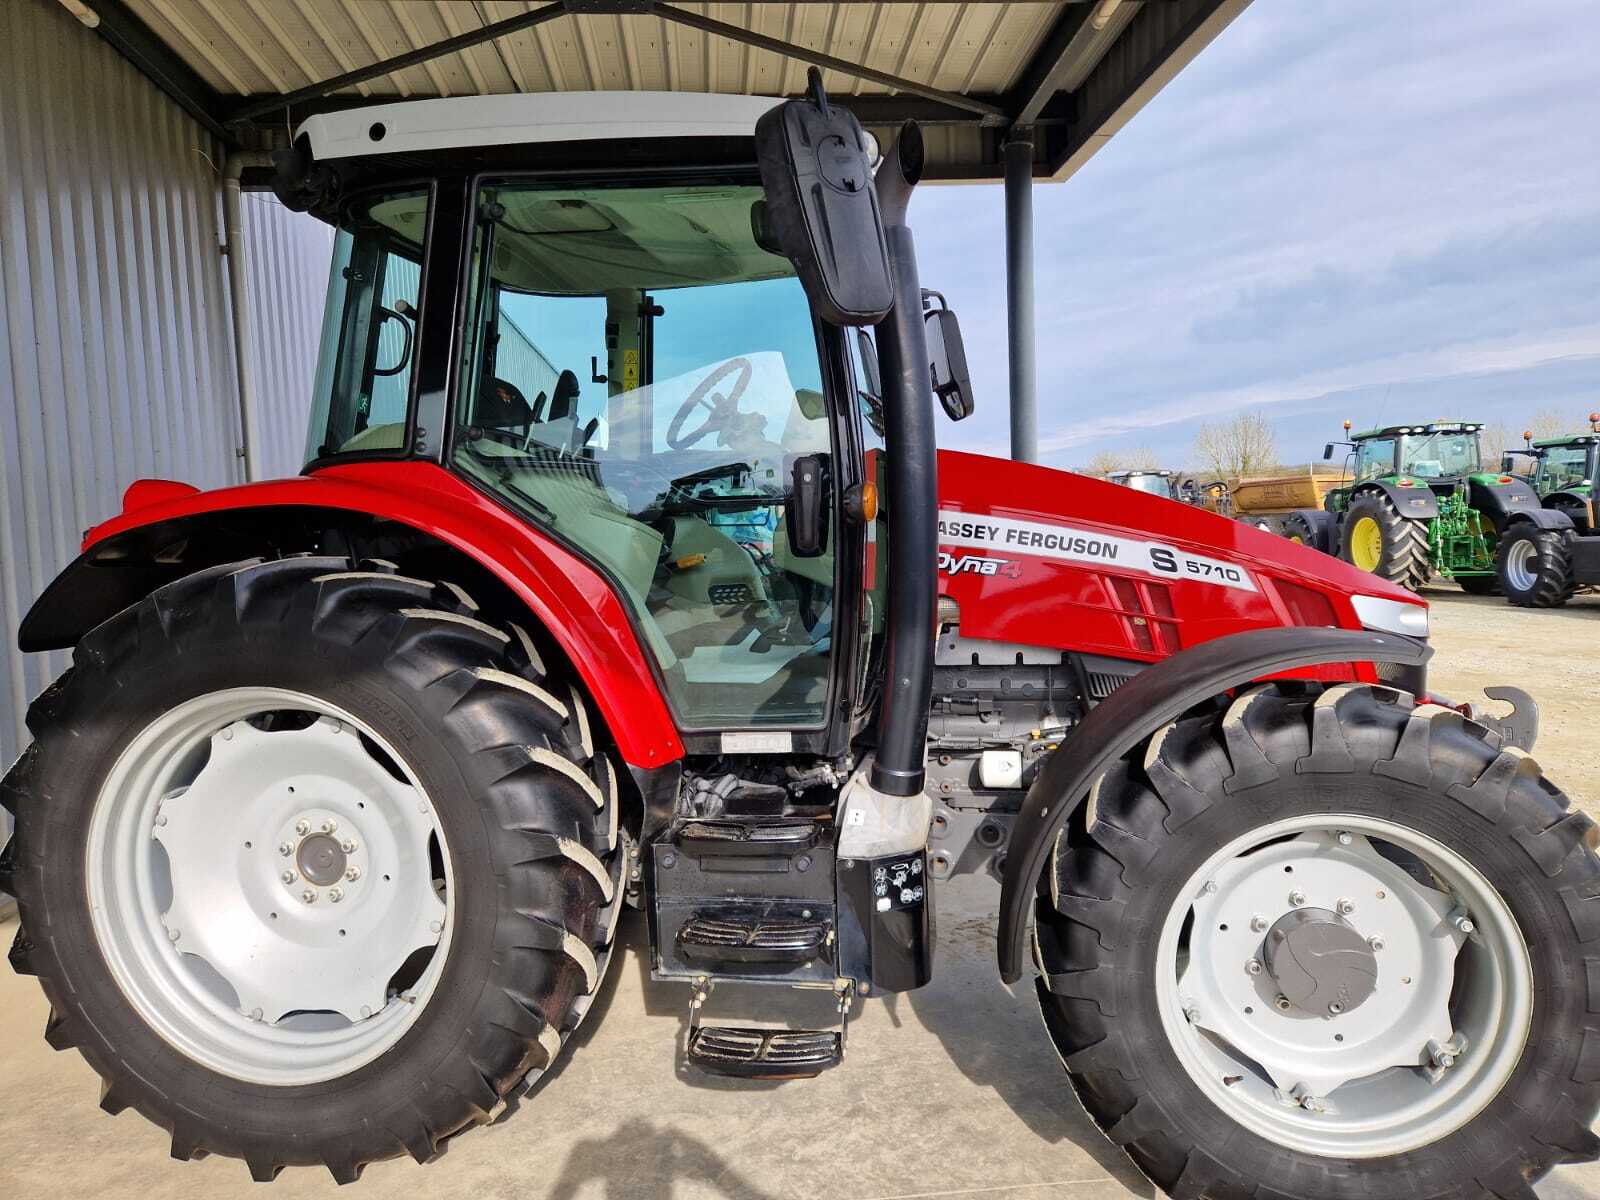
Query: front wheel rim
<point x="1411" y="1063"/>
<point x="270" y="886"/>
<point x="1520" y="565"/>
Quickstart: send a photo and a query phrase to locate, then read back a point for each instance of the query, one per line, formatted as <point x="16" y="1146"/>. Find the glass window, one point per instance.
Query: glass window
<point x="1440" y="455"/>
<point x="362" y="392"/>
<point x="1374" y="458"/>
<point x="1564" y="467"/>
<point x="642" y="378"/>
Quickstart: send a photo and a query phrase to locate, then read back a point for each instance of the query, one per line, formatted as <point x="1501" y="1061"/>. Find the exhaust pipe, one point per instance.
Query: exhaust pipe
<point x="912" y="491"/>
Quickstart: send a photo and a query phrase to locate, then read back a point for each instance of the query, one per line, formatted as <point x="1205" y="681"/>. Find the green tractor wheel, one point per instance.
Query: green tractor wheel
<point x="1378" y="539"/>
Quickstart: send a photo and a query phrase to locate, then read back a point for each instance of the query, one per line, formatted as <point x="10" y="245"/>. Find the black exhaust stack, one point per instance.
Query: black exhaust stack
<point x="912" y="496"/>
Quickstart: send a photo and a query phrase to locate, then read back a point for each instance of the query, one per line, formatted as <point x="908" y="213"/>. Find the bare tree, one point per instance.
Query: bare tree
<point x="1244" y="444"/>
<point x="1106" y="461"/>
<point x="1553" y="422"/>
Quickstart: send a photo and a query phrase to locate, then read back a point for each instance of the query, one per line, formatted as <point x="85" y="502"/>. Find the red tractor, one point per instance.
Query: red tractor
<point x="623" y="571"/>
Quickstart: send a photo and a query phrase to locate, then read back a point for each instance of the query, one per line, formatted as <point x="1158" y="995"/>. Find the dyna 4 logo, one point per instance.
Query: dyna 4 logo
<point x="977" y="564"/>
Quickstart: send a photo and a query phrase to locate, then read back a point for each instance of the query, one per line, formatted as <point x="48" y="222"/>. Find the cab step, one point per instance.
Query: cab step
<point x="764" y="1053"/>
<point x="753" y="938"/>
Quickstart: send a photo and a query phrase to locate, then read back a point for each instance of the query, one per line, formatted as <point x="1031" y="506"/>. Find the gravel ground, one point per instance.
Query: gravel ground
<point x="1552" y="654"/>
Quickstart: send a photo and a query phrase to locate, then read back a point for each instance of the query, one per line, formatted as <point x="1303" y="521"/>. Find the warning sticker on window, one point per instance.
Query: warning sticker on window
<point x="1047" y="540"/>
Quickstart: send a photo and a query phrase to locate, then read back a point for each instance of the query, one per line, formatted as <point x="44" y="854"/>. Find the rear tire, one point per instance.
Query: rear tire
<point x="1297" y="527"/>
<point x="1378" y="539"/>
<point x="403" y="678"/>
<point x="1353" y="757"/>
<point x="1534" y="566"/>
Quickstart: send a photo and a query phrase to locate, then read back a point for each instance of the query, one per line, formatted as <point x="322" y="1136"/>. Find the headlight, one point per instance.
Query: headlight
<point x="1392" y="616"/>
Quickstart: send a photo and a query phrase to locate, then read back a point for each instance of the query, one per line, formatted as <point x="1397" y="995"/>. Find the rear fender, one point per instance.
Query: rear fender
<point x="1417" y="502"/>
<point x="1156" y="696"/>
<point x="162" y="536"/>
<point x="1503" y="498"/>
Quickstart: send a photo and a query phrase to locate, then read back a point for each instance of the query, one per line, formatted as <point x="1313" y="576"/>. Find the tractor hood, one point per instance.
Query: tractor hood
<point x="1041" y="557"/>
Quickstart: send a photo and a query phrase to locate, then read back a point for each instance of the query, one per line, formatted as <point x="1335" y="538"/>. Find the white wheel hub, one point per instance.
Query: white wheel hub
<point x="1344" y="985"/>
<point x="1521" y="565"/>
<point x="260" y="879"/>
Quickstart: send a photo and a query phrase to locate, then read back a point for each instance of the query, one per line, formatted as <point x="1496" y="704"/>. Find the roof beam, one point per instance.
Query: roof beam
<point x="1041" y="77"/>
<point x="159" y="63"/>
<point x="400" y="62"/>
<point x="992" y="113"/>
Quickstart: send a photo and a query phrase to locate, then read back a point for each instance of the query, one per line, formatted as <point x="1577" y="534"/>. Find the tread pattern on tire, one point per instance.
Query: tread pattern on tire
<point x="1554" y="582"/>
<point x="1112" y="848"/>
<point x="551" y="803"/>
<point x="1407" y="559"/>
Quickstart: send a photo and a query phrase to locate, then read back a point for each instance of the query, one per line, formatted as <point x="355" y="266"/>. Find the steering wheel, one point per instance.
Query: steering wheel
<point x="721" y="410"/>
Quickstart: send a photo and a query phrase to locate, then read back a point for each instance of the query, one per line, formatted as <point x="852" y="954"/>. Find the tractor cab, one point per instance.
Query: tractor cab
<point x="1436" y="455"/>
<point x="1156" y="483"/>
<point x="1566" y="476"/>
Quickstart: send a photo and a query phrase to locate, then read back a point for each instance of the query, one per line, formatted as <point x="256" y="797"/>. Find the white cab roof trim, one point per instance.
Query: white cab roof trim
<point x="416" y="125"/>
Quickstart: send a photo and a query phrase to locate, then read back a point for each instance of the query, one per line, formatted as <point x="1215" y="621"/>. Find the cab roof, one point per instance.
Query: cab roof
<point x="1426" y="427"/>
<point x="1575" y="439"/>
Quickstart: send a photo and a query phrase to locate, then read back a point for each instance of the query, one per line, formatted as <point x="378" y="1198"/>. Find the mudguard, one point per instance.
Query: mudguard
<point x="1416" y="502"/>
<point x="1503" y="498"/>
<point x="1157" y="695"/>
<point x="150" y="544"/>
<point x="1541" y="518"/>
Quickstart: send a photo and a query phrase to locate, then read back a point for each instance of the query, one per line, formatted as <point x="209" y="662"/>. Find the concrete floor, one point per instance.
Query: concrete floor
<point x="952" y="1091"/>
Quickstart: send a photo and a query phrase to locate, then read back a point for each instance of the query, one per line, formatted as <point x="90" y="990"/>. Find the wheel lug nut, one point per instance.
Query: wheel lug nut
<point x="353" y="874"/>
<point x="1257" y="924"/>
<point x="1297" y="898"/>
<point x="173" y="935"/>
<point x="1345" y="839"/>
<point x="1465" y="925"/>
<point x="329" y="826"/>
<point x="1282" y="1004"/>
<point x="1335" y="1008"/>
<point x="289" y="877"/>
<point x="1253" y="967"/>
<point x="336" y="894"/>
<point x="285" y="849"/>
<point x="1210" y="887"/>
<point x="436" y="926"/>
<point x="302" y="827"/>
<point x="348" y="846"/>
<point x="1376" y="942"/>
<point x="1345" y="907"/>
<point x="309" y="896"/>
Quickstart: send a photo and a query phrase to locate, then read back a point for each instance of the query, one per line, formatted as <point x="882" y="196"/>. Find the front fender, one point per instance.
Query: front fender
<point x="166" y="533"/>
<point x="1156" y="696"/>
<point x="1541" y="518"/>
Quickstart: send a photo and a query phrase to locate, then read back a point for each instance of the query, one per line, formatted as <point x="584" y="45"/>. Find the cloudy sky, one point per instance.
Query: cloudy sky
<point x="1342" y="208"/>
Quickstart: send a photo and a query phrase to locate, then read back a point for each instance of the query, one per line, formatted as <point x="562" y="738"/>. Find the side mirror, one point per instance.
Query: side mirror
<point x="867" y="350"/>
<point x="805" y="515"/>
<point x="947" y="359"/>
<point x="820" y="208"/>
<point x="1327" y="451"/>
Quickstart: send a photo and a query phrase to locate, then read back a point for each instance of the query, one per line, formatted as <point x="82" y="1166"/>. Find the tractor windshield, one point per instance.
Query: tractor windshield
<point x="1564" y="467"/>
<point x="1156" y="485"/>
<point x="1440" y="455"/>
<point x="640" y="378"/>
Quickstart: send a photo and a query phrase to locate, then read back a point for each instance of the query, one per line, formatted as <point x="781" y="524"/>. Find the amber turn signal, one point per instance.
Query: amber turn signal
<point x="861" y="502"/>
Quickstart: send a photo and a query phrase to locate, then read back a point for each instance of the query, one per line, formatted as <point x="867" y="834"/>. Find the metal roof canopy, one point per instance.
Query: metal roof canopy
<point x="1074" y="71"/>
<point x="1012" y="91"/>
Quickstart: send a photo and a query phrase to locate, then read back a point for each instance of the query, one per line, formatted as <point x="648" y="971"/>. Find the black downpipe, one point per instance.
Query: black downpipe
<point x="913" y="489"/>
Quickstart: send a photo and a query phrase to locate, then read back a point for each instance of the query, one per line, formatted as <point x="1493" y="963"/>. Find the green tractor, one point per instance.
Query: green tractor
<point x="1419" y="504"/>
<point x="1542" y="566"/>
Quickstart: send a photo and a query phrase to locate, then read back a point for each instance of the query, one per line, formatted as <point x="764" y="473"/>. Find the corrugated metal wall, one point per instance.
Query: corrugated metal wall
<point x="287" y="255"/>
<point x="116" y="351"/>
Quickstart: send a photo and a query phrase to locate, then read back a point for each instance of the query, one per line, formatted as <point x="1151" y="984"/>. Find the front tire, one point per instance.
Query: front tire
<point x="1534" y="566"/>
<point x="1411" y="819"/>
<point x="434" y="794"/>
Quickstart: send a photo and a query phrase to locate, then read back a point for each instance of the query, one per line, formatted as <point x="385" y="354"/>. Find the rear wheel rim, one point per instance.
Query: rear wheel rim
<point x="1410" y="1064"/>
<point x="1522" y="565"/>
<point x="1366" y="543"/>
<point x="270" y="886"/>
